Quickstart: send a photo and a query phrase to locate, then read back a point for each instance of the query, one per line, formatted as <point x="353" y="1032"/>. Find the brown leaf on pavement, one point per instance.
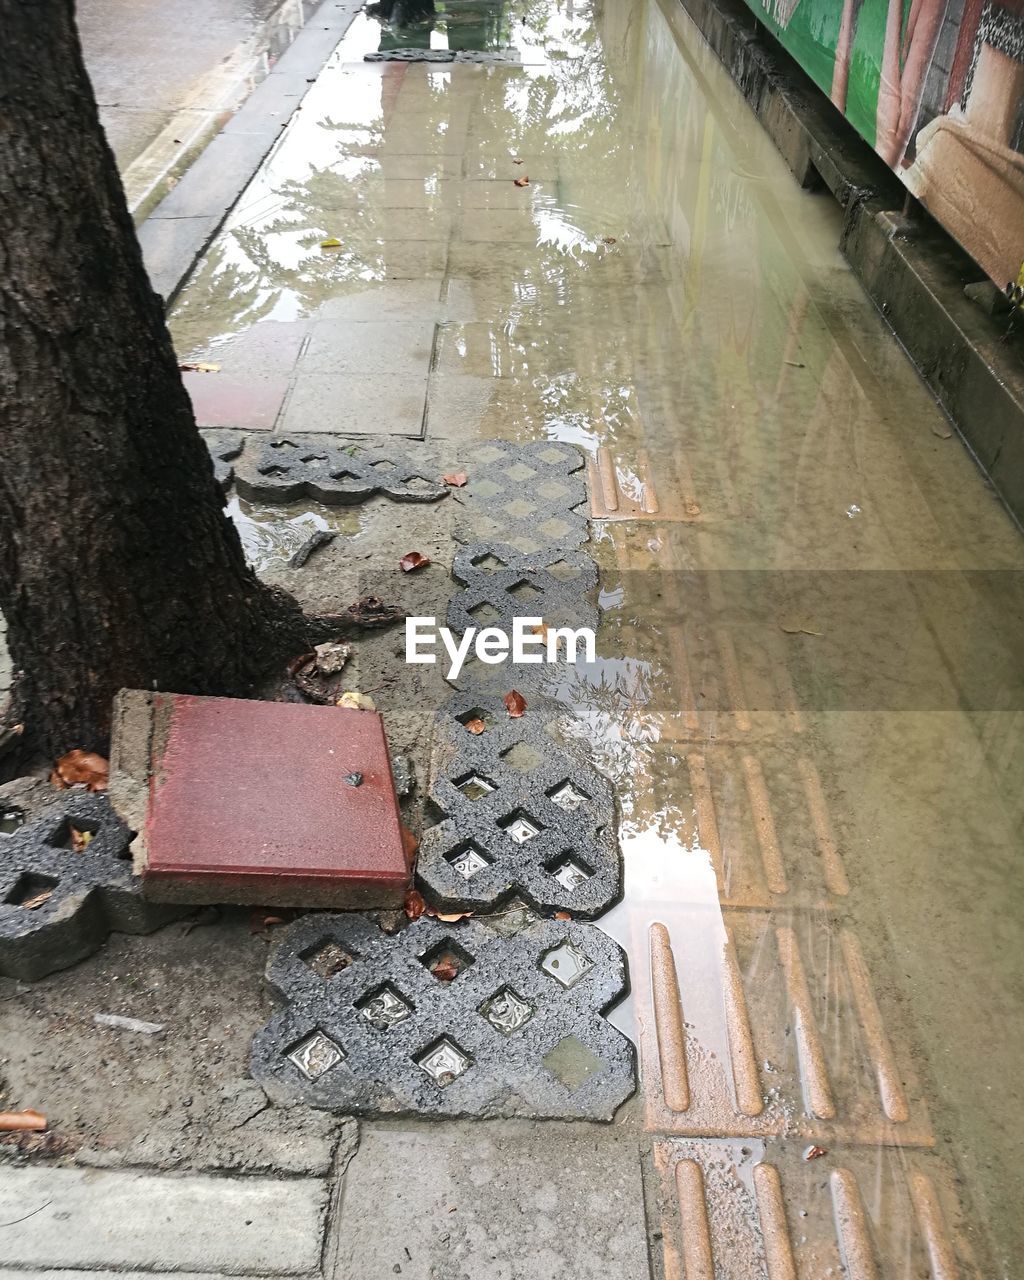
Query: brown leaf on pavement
<point x="445" y="970"/>
<point x="190" y="367"/>
<point x="81" y="767"/>
<point x="515" y="704"/>
<point x="475" y="726"/>
<point x="30" y="904"/>
<point x="413" y="560"/>
<point x="562" y="915"/>
<point x="451" y="917"/>
<point x="455" y="479"/>
<point x="516" y="160"/>
<point x="524" y="181"/>
<point x="415" y="905"/>
<point x="80" y="840"/>
<point x="17" y="1121"/>
<point x="410" y="844"/>
<point x="609" y="240"/>
<point x="815" y="1153"/>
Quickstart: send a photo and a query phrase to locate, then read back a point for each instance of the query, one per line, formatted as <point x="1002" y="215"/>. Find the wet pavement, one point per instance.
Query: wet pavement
<point x="167" y="75"/>
<point x="808" y="688"/>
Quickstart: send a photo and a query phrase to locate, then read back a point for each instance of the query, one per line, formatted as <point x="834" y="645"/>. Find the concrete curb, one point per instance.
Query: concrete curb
<point x="178" y="231"/>
<point x="910" y="268"/>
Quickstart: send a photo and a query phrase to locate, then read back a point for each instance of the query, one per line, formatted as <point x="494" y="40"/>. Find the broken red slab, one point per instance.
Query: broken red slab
<point x="254" y="802"/>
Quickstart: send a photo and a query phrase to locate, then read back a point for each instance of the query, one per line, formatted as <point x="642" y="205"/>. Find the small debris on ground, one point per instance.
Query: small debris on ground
<point x="515" y="704"/>
<point x="190" y="367"/>
<point x="415" y="904"/>
<point x="317" y="539"/>
<point x="22" y="1121"/>
<point x="475" y="726"/>
<point x="524" y="181"/>
<point x="354" y="779"/>
<point x="37" y="900"/>
<point x="373" y="612"/>
<point x="455" y="479"/>
<point x="413" y="560"/>
<point x="332" y="656"/>
<point x="815" y="1153"/>
<point x="798" y="627"/>
<point x="118" y="1023"/>
<point x="354" y="701"/>
<point x="80" y="840"/>
<point x="330" y="242"/>
<point x="78" y="768"/>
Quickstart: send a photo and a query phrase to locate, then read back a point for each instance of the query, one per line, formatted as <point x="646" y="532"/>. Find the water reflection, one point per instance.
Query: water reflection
<point x="442" y="24"/>
<point x="271" y="535"/>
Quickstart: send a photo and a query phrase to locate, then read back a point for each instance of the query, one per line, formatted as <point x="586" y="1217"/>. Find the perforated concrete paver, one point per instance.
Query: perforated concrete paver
<point x="488" y="1018"/>
<point x="65" y="882"/>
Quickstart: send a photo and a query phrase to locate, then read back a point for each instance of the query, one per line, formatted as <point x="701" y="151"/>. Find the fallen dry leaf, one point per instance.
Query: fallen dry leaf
<point x="609" y="240"/>
<point x="413" y="560"/>
<point x="562" y="915"/>
<point x="410" y="844"/>
<point x="81" y="767"/>
<point x="259" y="921"/>
<point x="18" y="1121"/>
<point x="80" y="840"/>
<point x="475" y="726"/>
<point x="524" y="181"/>
<point x="445" y="970"/>
<point x="799" y="629"/>
<point x="353" y="701"/>
<point x="815" y="1153"/>
<point x="191" y="367"/>
<point x="30" y="904"/>
<point x="542" y="630"/>
<point x="456" y="479"/>
<point x="451" y="917"/>
<point x="330" y="242"/>
<point x="515" y="704"/>
<point x="516" y="160"/>
<point x="415" y="904"/>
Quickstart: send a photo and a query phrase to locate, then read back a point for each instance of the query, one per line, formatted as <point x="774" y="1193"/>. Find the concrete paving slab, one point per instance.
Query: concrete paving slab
<point x="261" y="802"/>
<point x="357" y="404"/>
<point x="112" y="1219"/>
<point x="226" y="402"/>
<point x="492" y="1202"/>
<point x="394" y="347"/>
<point x="170" y="247"/>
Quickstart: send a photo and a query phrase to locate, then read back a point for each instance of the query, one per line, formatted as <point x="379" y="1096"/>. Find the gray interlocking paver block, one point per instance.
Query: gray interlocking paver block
<point x="500" y="583"/>
<point x="529" y="496"/>
<point x="289" y="468"/>
<point x="523" y="816"/>
<point x="484" y="1017"/>
<point x="87" y="894"/>
<point x="224" y="447"/>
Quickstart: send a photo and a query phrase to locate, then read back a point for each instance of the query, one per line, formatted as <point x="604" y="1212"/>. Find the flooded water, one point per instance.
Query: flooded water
<point x="808" y="689"/>
<point x="272" y="535"/>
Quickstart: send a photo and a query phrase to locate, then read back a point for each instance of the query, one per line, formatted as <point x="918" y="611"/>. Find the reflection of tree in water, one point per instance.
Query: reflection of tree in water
<point x="408" y="24"/>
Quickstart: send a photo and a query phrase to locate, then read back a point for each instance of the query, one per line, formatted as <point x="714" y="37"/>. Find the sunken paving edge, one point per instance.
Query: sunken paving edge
<point x="521" y="815"/>
<point x="91" y="893"/>
<point x="532" y="496"/>
<point x="368" y="1029"/>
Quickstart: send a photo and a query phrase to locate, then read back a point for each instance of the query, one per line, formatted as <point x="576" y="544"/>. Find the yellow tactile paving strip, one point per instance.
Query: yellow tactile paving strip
<point x="733" y="1212"/>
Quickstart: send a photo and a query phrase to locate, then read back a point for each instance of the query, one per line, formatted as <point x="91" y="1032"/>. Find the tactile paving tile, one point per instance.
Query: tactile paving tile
<point x="770" y="1025"/>
<point x="500" y="583"/>
<point x="513" y="1025"/>
<point x="289" y="468"/>
<point x="736" y="1211"/>
<point x="522" y="815"/>
<point x="79" y="897"/>
<point x="529" y="496"/>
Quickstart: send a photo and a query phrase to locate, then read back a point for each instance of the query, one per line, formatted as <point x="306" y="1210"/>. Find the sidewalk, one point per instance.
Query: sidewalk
<point x="804" y="697"/>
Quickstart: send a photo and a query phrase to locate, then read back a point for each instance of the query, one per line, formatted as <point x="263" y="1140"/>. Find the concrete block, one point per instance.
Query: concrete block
<point x="99" y="1219"/>
<point x="255" y="801"/>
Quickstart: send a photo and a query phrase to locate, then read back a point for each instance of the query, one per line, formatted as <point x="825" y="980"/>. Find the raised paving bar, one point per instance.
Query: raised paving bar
<point x="483" y="1017"/>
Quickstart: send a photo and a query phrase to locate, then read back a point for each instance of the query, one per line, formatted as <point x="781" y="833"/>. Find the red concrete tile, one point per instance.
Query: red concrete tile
<point x="218" y="401"/>
<point x="248" y="803"/>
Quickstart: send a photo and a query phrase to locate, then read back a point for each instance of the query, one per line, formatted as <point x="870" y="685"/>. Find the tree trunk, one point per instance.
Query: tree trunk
<point x="118" y="565"/>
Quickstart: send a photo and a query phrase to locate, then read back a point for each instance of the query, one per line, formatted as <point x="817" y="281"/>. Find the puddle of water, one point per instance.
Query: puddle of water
<point x="815" y="783"/>
<point x="271" y="535"/>
<point x="10" y="821"/>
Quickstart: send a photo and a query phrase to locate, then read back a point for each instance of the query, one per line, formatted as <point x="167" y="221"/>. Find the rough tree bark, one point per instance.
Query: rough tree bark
<point x="118" y="566"/>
